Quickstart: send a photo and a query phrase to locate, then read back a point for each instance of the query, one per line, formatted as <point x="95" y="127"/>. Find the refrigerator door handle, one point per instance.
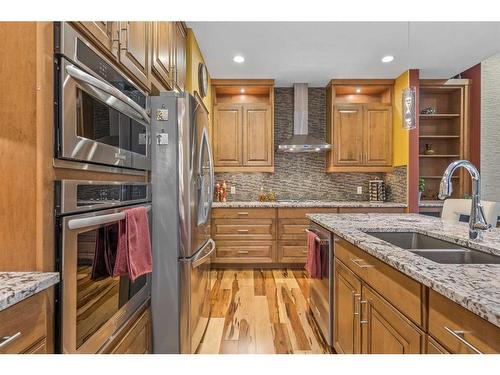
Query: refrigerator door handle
<point x="204" y="255"/>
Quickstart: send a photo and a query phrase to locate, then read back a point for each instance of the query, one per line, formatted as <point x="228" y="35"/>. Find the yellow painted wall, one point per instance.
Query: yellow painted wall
<point x="399" y="135"/>
<point x="193" y="58"/>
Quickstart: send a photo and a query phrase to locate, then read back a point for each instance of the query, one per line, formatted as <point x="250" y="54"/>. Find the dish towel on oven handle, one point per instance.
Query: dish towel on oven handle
<point x="313" y="263"/>
<point x="133" y="256"/>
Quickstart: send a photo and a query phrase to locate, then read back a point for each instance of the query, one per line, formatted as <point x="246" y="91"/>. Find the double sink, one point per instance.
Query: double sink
<point x="435" y="249"/>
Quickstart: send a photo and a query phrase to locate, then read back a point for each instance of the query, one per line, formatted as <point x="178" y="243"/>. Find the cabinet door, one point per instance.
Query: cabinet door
<point x="347" y="293"/>
<point x="227" y="135"/>
<point x="385" y="330"/>
<point x="135" y="49"/>
<point x="180" y="56"/>
<point x="257" y="135"/>
<point x="162" y="47"/>
<point x="377" y="135"/>
<point x="348" y="135"/>
<point x="104" y="33"/>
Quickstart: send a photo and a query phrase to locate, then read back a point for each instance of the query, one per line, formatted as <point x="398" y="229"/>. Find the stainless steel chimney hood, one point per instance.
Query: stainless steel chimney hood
<point x="301" y="140"/>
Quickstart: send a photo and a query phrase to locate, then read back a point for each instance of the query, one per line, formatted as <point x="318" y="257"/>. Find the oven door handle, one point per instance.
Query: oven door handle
<point x="81" y="76"/>
<point x="98" y="220"/>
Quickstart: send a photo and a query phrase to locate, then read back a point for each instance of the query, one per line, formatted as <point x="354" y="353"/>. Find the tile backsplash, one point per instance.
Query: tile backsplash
<point x="302" y="176"/>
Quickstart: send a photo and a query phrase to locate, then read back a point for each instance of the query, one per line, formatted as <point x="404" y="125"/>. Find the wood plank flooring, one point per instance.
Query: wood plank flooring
<point x="260" y="312"/>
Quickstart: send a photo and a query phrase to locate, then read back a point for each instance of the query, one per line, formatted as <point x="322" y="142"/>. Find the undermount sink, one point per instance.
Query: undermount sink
<point x="435" y="249"/>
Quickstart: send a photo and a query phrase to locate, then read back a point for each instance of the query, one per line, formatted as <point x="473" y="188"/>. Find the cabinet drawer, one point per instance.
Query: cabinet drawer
<point x="27" y="321"/>
<point x="401" y="291"/>
<point x="367" y="210"/>
<point x="292" y="251"/>
<point x="300" y="213"/>
<point x="292" y="229"/>
<point x="243" y="213"/>
<point x="458" y="329"/>
<point x="244" y="252"/>
<point x="239" y="229"/>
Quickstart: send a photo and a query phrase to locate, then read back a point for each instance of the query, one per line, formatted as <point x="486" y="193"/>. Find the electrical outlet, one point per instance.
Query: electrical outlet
<point x="359" y="190"/>
<point x="233" y="189"/>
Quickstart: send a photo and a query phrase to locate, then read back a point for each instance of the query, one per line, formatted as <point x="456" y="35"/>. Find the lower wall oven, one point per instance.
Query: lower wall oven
<point x="92" y="307"/>
<point x="321" y="289"/>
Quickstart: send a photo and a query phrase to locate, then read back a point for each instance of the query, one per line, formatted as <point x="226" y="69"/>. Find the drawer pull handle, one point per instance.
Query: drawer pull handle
<point x="6" y="340"/>
<point x="242" y="251"/>
<point x="357" y="263"/>
<point x="242" y="230"/>
<point x="459" y="335"/>
<point x="243" y="213"/>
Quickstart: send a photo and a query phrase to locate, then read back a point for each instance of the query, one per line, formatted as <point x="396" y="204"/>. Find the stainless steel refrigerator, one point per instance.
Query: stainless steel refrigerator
<point x="182" y="185"/>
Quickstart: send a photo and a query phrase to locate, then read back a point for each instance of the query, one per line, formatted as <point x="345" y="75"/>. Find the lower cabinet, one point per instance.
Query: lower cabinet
<point x="136" y="337"/>
<point x="24" y="326"/>
<point x="384" y="329"/>
<point x="364" y="322"/>
<point x="347" y="327"/>
<point x="433" y="347"/>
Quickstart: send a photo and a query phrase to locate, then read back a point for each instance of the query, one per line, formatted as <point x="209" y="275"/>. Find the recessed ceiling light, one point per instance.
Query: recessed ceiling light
<point x="238" y="59"/>
<point x="358" y="90"/>
<point x="242" y="91"/>
<point x="387" y="58"/>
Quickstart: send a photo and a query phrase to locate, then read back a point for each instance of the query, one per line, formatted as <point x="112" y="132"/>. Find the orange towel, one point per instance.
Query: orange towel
<point x="133" y="255"/>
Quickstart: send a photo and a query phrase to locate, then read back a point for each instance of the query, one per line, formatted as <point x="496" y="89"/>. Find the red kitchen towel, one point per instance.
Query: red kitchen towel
<point x="313" y="263"/>
<point x="133" y="256"/>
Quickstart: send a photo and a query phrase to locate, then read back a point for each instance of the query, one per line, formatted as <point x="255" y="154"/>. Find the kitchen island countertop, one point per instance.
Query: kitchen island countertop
<point x="473" y="286"/>
<point x="17" y="286"/>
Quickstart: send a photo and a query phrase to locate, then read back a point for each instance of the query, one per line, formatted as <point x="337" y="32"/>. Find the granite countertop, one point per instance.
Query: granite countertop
<point x="305" y="204"/>
<point x="473" y="286"/>
<point x="17" y="286"/>
<point x="431" y="203"/>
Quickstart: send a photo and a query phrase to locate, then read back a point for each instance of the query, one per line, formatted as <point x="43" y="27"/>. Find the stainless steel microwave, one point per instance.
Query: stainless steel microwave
<point x="101" y="115"/>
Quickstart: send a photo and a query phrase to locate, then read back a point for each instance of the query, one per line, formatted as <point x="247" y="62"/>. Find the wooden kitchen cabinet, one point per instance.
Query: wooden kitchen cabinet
<point x="162" y="61"/>
<point x="27" y="323"/>
<point x="180" y="35"/>
<point x="359" y="125"/>
<point x="105" y="34"/>
<point x="243" y="125"/>
<point x="228" y="135"/>
<point x="135" y="47"/>
<point x="384" y="329"/>
<point x="346" y="329"/>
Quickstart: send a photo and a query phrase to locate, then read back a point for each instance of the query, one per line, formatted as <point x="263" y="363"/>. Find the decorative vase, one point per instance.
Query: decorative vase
<point x="428" y="149"/>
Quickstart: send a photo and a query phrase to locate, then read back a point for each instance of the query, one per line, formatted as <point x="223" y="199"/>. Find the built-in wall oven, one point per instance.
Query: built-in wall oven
<point x="91" y="308"/>
<point x="321" y="289"/>
<point x="101" y="115"/>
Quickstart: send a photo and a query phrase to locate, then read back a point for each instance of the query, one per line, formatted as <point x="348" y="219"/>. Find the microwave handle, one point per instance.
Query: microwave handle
<point x="81" y="76"/>
<point x="98" y="220"/>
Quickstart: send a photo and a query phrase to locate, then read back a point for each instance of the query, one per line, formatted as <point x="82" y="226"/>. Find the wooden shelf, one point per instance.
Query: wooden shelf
<point x="439" y="156"/>
<point x="439" y="115"/>
<point x="451" y="136"/>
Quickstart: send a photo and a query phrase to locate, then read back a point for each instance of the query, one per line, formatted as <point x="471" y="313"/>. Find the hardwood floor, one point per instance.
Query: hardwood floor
<point x="260" y="312"/>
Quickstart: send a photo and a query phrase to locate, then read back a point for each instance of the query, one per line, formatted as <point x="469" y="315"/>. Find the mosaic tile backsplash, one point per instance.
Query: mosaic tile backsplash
<point x="302" y="176"/>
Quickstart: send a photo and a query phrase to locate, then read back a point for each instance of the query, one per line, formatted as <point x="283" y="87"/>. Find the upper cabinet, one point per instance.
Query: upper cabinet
<point x="162" y="64"/>
<point x="180" y="56"/>
<point x="135" y="46"/>
<point x="243" y="133"/>
<point x="153" y="53"/>
<point x="359" y="125"/>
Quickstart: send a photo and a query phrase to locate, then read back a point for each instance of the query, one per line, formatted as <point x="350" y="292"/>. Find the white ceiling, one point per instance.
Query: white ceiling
<point x="315" y="52"/>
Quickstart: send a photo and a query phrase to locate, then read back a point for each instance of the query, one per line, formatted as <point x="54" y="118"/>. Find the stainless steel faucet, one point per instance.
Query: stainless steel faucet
<point x="476" y="219"/>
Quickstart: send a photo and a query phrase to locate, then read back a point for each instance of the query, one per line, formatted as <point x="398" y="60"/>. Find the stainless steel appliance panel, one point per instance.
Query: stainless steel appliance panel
<point x="103" y="116"/>
<point x="321" y="290"/>
<point x="92" y="310"/>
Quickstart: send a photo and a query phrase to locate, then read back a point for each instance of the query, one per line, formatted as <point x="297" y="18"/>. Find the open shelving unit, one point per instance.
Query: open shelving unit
<point x="446" y="131"/>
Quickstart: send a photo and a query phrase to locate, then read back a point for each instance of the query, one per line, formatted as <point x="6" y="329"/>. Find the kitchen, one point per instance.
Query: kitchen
<point x="281" y="206"/>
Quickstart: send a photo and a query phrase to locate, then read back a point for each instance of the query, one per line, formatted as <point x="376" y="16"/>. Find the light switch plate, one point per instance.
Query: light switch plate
<point x="359" y="190"/>
<point x="233" y="189"/>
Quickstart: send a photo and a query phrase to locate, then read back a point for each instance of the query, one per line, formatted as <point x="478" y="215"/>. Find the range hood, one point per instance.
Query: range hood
<point x="301" y="140"/>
